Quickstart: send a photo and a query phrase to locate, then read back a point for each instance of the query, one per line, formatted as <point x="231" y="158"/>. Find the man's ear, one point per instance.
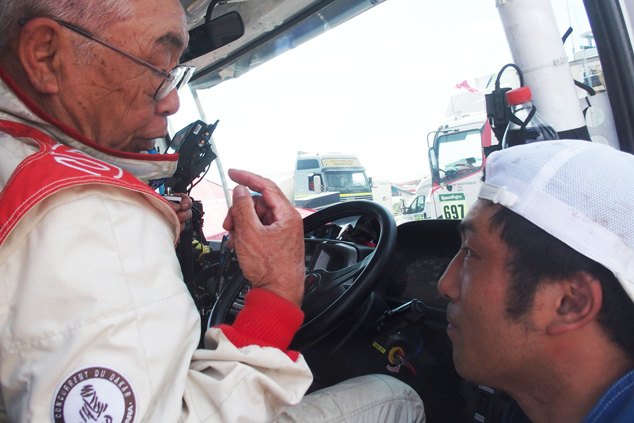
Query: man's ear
<point x="578" y="302"/>
<point x="38" y="52"/>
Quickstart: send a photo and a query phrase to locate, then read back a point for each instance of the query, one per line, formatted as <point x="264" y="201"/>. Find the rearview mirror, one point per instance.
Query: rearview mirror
<point x="212" y="35"/>
<point x="317" y="182"/>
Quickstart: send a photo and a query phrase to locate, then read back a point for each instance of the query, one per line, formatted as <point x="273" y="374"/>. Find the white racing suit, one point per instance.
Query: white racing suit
<point x="96" y="324"/>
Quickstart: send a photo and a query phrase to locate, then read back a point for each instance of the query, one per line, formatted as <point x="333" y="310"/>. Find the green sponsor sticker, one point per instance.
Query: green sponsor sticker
<point x="451" y="197"/>
<point x="454" y="206"/>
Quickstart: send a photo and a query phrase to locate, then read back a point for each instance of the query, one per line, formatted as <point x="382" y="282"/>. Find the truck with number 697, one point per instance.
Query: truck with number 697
<point x="456" y="158"/>
<point x="459" y="148"/>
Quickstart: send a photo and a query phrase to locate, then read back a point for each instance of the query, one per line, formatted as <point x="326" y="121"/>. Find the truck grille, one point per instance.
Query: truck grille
<point x="360" y="196"/>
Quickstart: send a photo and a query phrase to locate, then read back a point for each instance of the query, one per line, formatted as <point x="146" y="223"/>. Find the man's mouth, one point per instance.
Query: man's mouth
<point x="451" y="322"/>
<point x="145" y="144"/>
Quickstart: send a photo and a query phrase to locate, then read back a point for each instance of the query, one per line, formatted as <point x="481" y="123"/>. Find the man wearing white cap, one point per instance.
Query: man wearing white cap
<point x="541" y="292"/>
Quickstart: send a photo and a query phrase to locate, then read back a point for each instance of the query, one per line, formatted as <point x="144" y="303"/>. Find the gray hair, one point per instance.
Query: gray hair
<point x="94" y="15"/>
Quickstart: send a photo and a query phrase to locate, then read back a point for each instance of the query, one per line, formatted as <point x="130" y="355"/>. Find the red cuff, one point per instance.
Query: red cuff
<point x="267" y="320"/>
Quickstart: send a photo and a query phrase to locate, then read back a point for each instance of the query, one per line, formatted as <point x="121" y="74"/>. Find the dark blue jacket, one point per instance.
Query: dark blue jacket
<point x="615" y="406"/>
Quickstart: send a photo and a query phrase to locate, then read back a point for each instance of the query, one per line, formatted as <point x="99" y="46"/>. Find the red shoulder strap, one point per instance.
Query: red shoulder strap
<point x="52" y="168"/>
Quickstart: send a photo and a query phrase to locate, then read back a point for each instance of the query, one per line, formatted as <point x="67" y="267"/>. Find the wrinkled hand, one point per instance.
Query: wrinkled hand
<point x="183" y="209"/>
<point x="268" y="236"/>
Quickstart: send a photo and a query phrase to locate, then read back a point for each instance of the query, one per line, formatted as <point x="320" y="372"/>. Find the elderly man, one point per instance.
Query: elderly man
<point x="542" y="292"/>
<point x="95" y="321"/>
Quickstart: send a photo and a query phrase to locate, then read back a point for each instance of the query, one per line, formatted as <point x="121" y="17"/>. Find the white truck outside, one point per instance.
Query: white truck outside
<point x="323" y="179"/>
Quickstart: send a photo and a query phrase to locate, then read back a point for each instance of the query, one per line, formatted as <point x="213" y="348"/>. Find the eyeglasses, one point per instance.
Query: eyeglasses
<point x="176" y="78"/>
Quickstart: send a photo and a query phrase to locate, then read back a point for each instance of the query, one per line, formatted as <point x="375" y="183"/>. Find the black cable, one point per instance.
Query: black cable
<point x="566" y="35"/>
<point x="586" y="88"/>
<point x="579" y="84"/>
<point x="199" y="179"/>
<point x="509" y="65"/>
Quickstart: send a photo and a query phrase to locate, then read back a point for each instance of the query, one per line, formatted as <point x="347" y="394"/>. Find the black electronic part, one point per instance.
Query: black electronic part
<point x="194" y="147"/>
<point x="498" y="110"/>
<point x="193" y="144"/>
<point x="396" y="319"/>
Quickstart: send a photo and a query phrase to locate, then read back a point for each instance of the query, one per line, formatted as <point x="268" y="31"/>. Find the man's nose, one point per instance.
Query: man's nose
<point x="168" y="105"/>
<point x="449" y="283"/>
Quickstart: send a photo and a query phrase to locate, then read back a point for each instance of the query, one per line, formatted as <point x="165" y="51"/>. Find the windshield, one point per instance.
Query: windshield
<point x="459" y="153"/>
<point x="373" y="87"/>
<point x="346" y="181"/>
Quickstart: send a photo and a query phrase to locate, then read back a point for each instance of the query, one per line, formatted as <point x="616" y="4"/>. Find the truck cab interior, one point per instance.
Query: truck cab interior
<point x="371" y="301"/>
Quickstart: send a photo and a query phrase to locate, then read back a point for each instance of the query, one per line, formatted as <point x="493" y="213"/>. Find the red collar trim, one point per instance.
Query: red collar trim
<point x="55" y="167"/>
<point x="73" y="133"/>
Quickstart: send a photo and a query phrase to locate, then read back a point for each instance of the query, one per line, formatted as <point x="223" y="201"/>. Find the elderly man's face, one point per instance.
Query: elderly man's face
<point x="110" y="98"/>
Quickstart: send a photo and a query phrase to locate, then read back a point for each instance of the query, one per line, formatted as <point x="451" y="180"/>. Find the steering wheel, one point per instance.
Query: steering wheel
<point x="330" y="295"/>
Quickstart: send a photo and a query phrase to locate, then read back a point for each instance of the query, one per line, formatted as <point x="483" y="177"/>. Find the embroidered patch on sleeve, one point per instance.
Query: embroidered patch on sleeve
<point x="94" y="395"/>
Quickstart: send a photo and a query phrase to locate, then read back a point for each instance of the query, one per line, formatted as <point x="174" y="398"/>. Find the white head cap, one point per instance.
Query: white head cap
<point x="580" y="192"/>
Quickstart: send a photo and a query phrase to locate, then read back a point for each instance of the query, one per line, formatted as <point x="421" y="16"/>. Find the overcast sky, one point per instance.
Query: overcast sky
<point x="374" y="86"/>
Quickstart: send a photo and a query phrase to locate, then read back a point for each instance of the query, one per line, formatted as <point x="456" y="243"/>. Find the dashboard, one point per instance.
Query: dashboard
<point x="424" y="250"/>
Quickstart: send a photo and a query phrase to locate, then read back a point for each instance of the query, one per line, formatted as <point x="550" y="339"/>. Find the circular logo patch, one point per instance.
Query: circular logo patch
<point x="94" y="394"/>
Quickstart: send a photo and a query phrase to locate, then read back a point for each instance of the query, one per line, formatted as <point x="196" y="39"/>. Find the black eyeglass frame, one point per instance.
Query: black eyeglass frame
<point x="176" y="78"/>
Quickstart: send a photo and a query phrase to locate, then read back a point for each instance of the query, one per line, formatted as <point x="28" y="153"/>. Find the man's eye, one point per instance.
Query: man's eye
<point x="467" y="250"/>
